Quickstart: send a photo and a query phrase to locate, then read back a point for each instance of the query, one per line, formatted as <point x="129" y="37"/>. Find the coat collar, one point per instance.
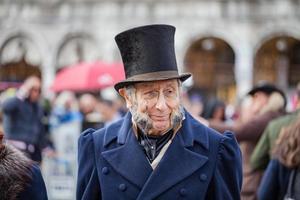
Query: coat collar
<point x="191" y="131"/>
<point x="177" y="164"/>
<point x="130" y="161"/>
<point x="118" y="130"/>
<point x="179" y="161"/>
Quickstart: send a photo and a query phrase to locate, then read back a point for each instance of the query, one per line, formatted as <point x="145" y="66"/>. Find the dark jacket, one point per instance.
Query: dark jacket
<point x="22" y="120"/>
<point x="249" y="131"/>
<point x="199" y="164"/>
<point x="275" y="181"/>
<point x="20" y="179"/>
<point x="261" y="154"/>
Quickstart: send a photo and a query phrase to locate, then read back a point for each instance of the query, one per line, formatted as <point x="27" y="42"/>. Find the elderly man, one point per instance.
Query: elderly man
<point x="157" y="151"/>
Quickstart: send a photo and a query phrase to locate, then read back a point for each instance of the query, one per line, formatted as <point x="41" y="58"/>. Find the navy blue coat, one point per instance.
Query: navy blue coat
<point x="199" y="164"/>
<point x="275" y="181"/>
<point x="22" y="120"/>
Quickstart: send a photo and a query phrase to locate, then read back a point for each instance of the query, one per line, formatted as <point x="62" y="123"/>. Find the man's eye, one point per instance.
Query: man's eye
<point x="169" y="93"/>
<point x="151" y="94"/>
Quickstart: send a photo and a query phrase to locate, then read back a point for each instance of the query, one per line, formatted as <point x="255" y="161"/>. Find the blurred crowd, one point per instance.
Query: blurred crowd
<point x="268" y="135"/>
<point x="29" y="118"/>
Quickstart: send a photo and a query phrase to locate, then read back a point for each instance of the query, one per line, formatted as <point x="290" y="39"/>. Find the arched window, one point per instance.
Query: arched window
<point x="278" y="61"/>
<point x="211" y="61"/>
<point x="19" y="58"/>
<point x="76" y="48"/>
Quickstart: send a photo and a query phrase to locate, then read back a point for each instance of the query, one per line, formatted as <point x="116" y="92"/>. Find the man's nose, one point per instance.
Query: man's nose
<point x="161" y="103"/>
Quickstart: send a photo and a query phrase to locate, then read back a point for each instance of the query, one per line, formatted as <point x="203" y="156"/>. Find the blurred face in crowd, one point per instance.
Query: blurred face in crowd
<point x="155" y="106"/>
<point x="107" y="109"/>
<point x="219" y="113"/>
<point x="259" y="100"/>
<point x="87" y="103"/>
<point x="34" y="87"/>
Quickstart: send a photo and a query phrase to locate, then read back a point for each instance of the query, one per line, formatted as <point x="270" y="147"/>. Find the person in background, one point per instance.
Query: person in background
<point x="20" y="178"/>
<point x="286" y="158"/>
<point x="267" y="103"/>
<point x="109" y="111"/>
<point x="121" y="106"/>
<point x="196" y="104"/>
<point x="65" y="109"/>
<point x="8" y="93"/>
<point x="22" y="120"/>
<point x="111" y="106"/>
<point x="215" y="110"/>
<point x="262" y="152"/>
<point x="193" y="103"/>
<point x="158" y="150"/>
<point x="91" y="118"/>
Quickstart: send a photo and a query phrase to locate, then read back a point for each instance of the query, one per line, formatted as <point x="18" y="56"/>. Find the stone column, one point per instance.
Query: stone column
<point x="244" y="67"/>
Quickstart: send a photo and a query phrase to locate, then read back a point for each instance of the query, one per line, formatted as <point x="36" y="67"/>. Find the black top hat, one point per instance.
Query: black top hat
<point x="148" y="54"/>
<point x="268" y="89"/>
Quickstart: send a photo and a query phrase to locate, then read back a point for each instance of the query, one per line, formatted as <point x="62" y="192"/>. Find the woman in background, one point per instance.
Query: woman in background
<point x="286" y="158"/>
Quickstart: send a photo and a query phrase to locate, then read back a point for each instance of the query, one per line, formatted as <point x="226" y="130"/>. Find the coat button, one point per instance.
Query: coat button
<point x="182" y="192"/>
<point x="203" y="177"/>
<point x="105" y="170"/>
<point x="122" y="187"/>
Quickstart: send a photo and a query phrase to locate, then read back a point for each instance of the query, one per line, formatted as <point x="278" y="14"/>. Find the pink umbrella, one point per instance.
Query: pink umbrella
<point x="88" y="76"/>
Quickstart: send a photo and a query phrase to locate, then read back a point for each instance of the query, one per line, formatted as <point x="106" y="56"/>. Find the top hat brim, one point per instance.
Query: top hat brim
<point x="153" y="76"/>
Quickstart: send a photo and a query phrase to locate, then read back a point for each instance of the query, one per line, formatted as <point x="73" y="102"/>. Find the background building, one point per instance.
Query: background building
<point x="227" y="44"/>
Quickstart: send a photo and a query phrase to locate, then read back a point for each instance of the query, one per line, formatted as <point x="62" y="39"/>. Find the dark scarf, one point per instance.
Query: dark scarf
<point x="152" y="145"/>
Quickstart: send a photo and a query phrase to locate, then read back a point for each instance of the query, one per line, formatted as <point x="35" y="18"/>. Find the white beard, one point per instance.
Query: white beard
<point x="145" y="123"/>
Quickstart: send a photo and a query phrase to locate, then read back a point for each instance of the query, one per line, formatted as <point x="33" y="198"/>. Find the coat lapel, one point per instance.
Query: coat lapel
<point x="177" y="164"/>
<point x="129" y="160"/>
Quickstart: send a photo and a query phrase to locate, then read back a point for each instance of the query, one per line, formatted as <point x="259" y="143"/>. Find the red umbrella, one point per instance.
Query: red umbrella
<point x="88" y="76"/>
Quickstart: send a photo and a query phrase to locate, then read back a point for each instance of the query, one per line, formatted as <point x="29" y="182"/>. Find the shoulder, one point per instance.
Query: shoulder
<point x="214" y="139"/>
<point x="229" y="148"/>
<point x="282" y="121"/>
<point x="100" y="137"/>
<point x="11" y="101"/>
<point x="108" y="133"/>
<point x="275" y="164"/>
<point x="277" y="169"/>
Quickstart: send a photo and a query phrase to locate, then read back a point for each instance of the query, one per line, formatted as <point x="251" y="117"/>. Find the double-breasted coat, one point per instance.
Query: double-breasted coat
<point x="199" y="164"/>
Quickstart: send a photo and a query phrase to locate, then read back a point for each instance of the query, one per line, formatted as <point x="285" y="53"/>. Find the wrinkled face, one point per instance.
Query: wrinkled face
<point x="156" y="105"/>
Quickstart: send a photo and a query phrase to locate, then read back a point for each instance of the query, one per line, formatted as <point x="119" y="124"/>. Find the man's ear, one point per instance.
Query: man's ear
<point x="124" y="94"/>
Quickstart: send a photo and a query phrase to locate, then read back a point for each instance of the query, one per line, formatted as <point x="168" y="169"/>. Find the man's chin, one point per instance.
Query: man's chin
<point x="160" y="128"/>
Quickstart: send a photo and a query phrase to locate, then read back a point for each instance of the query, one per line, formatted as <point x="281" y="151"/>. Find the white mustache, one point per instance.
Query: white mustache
<point x="145" y="123"/>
